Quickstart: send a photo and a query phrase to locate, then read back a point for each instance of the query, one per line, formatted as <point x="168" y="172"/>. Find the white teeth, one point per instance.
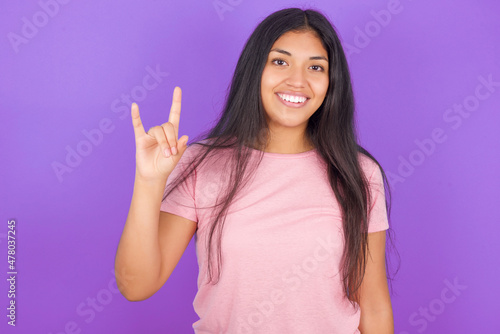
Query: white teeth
<point x="294" y="99"/>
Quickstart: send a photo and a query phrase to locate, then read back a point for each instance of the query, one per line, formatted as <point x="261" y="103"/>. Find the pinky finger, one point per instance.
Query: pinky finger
<point x="136" y="121"/>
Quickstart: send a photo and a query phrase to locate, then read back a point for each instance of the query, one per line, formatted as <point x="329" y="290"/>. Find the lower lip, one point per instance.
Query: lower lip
<point x="291" y="104"/>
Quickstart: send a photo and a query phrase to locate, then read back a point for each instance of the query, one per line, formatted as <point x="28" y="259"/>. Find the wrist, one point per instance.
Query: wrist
<point x="158" y="182"/>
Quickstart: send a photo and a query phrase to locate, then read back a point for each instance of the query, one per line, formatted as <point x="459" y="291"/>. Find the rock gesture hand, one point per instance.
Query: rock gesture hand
<point x="159" y="150"/>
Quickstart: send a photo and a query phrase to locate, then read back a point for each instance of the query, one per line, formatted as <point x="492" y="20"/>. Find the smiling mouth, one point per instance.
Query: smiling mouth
<point x="292" y="98"/>
<point x="292" y="101"/>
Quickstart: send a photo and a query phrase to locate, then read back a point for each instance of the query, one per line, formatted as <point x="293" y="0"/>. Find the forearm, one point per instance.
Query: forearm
<point x="138" y="253"/>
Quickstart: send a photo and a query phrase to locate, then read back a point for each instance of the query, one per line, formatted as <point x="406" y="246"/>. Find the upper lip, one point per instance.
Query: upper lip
<point x="293" y="93"/>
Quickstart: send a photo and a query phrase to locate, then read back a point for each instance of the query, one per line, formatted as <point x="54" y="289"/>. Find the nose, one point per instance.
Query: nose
<point x="296" y="77"/>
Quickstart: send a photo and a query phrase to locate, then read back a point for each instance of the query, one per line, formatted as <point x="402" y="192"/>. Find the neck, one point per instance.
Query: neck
<point x="288" y="143"/>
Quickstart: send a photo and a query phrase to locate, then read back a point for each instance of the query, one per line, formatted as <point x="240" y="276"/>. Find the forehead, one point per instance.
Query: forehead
<point x="301" y="42"/>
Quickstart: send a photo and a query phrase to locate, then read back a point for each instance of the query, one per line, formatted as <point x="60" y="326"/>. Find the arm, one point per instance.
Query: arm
<point x="138" y="253"/>
<point x="151" y="245"/>
<point x="375" y="302"/>
<point x="152" y="242"/>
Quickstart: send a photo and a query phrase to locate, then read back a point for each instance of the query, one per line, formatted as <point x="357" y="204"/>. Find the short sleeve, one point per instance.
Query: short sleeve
<point x="377" y="218"/>
<point x="181" y="201"/>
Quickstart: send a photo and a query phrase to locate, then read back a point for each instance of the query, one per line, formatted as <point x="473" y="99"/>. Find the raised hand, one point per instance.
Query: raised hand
<point x="159" y="150"/>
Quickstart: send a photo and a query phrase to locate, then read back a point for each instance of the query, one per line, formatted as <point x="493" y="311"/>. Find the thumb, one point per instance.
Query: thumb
<point x="182" y="144"/>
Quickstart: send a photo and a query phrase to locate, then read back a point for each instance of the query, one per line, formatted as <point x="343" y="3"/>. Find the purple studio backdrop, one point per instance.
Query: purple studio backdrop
<point x="426" y="78"/>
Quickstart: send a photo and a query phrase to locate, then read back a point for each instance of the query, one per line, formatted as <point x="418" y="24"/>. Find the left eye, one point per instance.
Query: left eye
<point x="320" y="67"/>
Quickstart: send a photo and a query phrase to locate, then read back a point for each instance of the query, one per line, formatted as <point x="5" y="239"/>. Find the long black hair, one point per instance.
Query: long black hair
<point x="242" y="127"/>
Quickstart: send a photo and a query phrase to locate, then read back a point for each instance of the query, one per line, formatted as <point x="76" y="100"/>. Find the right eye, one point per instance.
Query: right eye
<point x="277" y="60"/>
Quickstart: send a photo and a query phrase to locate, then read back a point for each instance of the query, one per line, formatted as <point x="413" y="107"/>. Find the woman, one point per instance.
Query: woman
<point x="279" y="191"/>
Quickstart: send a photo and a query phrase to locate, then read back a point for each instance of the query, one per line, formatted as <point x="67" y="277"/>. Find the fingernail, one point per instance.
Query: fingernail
<point x="167" y="152"/>
<point x="174" y="150"/>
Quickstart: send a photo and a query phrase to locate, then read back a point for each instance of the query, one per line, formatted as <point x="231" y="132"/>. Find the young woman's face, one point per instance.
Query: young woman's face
<point x="295" y="79"/>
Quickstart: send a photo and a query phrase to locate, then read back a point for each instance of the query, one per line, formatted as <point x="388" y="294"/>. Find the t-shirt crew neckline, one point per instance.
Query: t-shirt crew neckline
<point x="287" y="155"/>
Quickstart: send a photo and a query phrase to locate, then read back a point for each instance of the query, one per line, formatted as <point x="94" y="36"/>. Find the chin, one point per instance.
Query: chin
<point x="288" y="123"/>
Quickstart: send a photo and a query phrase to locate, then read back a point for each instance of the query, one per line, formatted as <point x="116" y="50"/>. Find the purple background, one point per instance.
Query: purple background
<point x="408" y="75"/>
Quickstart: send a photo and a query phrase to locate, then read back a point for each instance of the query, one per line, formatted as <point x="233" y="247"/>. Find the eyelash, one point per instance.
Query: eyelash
<point x="279" y="59"/>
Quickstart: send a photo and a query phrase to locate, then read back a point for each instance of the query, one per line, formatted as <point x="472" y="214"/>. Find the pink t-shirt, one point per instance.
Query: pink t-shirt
<point x="281" y="246"/>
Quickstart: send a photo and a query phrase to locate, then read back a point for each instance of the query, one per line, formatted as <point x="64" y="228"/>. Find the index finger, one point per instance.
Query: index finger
<point x="175" y="110"/>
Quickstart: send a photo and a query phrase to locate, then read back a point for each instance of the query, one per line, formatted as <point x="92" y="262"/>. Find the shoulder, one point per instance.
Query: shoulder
<point x="369" y="166"/>
<point x="206" y="162"/>
<point x="193" y="151"/>
<point x="199" y="147"/>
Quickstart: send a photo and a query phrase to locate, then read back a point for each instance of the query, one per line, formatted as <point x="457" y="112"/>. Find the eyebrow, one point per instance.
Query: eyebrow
<point x="289" y="54"/>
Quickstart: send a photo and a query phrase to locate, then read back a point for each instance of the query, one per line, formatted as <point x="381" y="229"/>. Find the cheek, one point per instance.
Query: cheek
<point x="322" y="87"/>
<point x="264" y="85"/>
<point x="266" y="81"/>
